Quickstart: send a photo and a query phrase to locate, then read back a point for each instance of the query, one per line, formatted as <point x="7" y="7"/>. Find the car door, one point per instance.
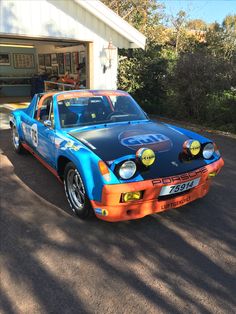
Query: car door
<point x="42" y="134"/>
<point x="28" y="119"/>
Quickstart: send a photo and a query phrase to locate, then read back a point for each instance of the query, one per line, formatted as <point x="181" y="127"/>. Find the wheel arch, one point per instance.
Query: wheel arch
<point x="62" y="161"/>
<point x="15" y="119"/>
<point x="88" y="169"/>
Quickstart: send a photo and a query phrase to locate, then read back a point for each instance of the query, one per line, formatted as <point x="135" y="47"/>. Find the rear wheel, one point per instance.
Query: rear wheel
<point x="75" y="192"/>
<point x="18" y="148"/>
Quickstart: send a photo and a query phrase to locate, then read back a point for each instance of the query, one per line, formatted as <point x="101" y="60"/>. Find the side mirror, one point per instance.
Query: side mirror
<point x="47" y="123"/>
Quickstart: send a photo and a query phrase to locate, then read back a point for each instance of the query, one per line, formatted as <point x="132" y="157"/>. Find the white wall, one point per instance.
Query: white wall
<point x="63" y="19"/>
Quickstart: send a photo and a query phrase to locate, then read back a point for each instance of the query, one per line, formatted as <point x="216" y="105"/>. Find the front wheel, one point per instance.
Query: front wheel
<point x="75" y="192"/>
<point x="18" y="148"/>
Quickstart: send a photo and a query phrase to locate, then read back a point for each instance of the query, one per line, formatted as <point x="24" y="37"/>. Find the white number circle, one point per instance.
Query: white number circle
<point x="34" y="134"/>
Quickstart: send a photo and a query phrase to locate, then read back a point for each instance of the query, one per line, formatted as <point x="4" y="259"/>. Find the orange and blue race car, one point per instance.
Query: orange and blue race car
<point x="113" y="160"/>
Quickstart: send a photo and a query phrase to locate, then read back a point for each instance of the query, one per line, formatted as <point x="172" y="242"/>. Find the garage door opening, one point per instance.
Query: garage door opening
<point x="33" y="65"/>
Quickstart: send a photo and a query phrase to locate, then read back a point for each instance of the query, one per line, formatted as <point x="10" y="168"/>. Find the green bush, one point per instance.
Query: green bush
<point x="196" y="86"/>
<point x="221" y="110"/>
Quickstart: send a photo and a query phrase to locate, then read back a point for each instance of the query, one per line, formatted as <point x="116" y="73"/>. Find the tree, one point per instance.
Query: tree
<point x="197" y="25"/>
<point x="139" y="13"/>
<point x="186" y="71"/>
<point x="197" y="76"/>
<point x="221" y="39"/>
<point x="145" y="15"/>
<point x="179" y="23"/>
<point x="229" y="38"/>
<point x="229" y="23"/>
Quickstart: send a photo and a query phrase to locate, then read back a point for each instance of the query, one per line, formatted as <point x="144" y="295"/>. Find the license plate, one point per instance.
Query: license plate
<point x="177" y="188"/>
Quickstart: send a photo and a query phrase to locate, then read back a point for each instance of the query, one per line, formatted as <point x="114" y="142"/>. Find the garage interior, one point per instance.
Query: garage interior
<point x="33" y="65"/>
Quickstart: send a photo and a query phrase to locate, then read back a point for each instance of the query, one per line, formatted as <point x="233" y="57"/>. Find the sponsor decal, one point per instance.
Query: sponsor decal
<point x="102" y="212"/>
<point x="176" y="204"/>
<point x="34" y="134"/>
<point x="146" y="156"/>
<point x="95" y="100"/>
<point x="137" y="139"/>
<point x="58" y="142"/>
<point x="180" y="178"/>
<point x="23" y="125"/>
<point x="72" y="146"/>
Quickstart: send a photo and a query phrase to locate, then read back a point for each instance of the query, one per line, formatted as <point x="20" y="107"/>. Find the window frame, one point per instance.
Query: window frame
<point x="40" y="106"/>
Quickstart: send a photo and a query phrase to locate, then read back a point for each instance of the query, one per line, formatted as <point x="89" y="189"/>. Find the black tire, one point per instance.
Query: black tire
<point x="16" y="141"/>
<point x="75" y="192"/>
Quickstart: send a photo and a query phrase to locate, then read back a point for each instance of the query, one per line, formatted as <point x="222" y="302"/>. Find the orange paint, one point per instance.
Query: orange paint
<point x="150" y="204"/>
<point x="74" y="94"/>
<point x="91" y="93"/>
<point x="41" y="102"/>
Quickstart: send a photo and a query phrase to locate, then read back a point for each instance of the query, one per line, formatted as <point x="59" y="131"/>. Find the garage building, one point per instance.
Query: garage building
<point x="73" y="40"/>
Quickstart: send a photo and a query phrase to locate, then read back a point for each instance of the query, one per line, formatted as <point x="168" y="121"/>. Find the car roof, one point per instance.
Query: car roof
<point x="88" y="93"/>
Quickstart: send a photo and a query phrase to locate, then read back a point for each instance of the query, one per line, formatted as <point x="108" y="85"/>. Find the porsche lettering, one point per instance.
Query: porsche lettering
<point x="180" y="178"/>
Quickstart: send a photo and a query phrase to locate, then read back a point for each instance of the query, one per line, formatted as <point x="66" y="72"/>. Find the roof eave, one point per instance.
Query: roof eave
<point x="109" y="17"/>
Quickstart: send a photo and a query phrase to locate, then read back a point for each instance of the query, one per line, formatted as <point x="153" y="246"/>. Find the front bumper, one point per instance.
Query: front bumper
<point x="111" y="209"/>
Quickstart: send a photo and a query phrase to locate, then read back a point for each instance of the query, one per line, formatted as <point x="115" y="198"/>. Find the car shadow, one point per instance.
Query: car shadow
<point x="34" y="174"/>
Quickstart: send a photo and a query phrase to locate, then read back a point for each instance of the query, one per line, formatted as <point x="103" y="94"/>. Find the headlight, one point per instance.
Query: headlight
<point x="192" y="147"/>
<point x="208" y="151"/>
<point x="131" y="196"/>
<point x="127" y="169"/>
<point x="146" y="156"/>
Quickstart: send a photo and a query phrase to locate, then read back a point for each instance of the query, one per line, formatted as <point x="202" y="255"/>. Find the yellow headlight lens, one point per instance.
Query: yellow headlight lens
<point x="131" y="196"/>
<point x="146" y="156"/>
<point x="212" y="174"/>
<point x="195" y="148"/>
<point x="192" y="147"/>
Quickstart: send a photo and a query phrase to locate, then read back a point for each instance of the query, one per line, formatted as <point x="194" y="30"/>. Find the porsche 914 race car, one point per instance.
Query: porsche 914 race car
<point x="113" y="160"/>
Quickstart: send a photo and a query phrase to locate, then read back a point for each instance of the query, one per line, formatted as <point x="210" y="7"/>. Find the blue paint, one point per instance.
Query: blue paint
<point x="98" y="211"/>
<point x="56" y="143"/>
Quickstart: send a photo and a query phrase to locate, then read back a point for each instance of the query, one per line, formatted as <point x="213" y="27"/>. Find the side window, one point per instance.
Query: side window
<point x="31" y="108"/>
<point x="36" y="108"/>
<point x="113" y="100"/>
<point x="45" y="112"/>
<point x="51" y="114"/>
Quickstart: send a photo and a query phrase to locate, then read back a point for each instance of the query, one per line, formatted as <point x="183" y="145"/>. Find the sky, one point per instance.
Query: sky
<point x="209" y="11"/>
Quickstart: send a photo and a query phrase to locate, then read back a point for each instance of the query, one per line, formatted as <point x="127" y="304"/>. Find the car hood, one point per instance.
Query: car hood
<point x="113" y="142"/>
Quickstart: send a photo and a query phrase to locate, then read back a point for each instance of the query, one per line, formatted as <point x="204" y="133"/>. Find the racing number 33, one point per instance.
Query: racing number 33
<point x="172" y="189"/>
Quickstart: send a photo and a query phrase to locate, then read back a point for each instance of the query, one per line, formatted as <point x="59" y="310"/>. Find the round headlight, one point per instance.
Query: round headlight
<point x="208" y="151"/>
<point x="192" y="147"/>
<point x="127" y="169"/>
<point x="146" y="156"/>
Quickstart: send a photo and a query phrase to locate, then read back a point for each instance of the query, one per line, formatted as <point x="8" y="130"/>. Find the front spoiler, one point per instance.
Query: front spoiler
<point x="111" y="209"/>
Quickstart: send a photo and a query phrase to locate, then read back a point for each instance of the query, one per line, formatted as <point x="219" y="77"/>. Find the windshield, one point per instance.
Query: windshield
<point x="82" y="111"/>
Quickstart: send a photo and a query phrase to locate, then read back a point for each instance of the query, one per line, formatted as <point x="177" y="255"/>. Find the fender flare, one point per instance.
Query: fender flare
<point x="87" y="165"/>
<point x="15" y="119"/>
